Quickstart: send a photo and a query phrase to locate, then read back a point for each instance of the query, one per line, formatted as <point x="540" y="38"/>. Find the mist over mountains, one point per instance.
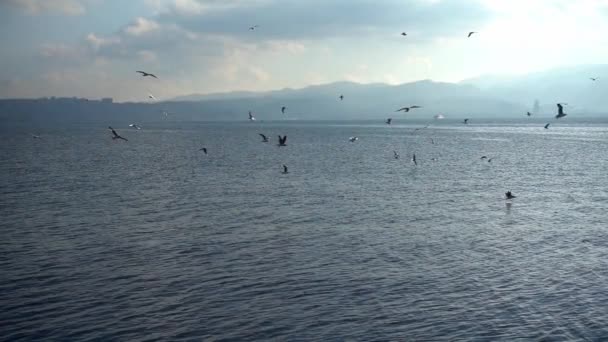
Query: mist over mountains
<point x="482" y="97"/>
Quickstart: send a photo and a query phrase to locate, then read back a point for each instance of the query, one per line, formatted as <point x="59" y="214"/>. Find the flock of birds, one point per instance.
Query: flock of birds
<point x="282" y="140"/>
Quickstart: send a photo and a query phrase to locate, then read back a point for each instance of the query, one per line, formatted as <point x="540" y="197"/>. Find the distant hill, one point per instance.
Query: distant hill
<point x="483" y="97"/>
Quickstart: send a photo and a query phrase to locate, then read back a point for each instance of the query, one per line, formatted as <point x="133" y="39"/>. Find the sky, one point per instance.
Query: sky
<point x="92" y="48"/>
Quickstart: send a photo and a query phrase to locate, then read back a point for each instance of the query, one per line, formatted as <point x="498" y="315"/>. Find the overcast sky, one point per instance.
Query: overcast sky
<point x="91" y="48"/>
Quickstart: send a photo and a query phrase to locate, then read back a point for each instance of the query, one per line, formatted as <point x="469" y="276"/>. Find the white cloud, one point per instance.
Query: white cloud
<point x="141" y="26"/>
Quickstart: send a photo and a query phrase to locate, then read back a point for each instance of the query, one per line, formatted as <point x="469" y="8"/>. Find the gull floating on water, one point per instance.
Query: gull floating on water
<point x="353" y="139"/>
<point x="134" y="126"/>
<point x="470" y="34"/>
<point x="560" y="111"/>
<point x="115" y="135"/>
<point x="264" y="138"/>
<point x="144" y="74"/>
<point x="282" y="140"/>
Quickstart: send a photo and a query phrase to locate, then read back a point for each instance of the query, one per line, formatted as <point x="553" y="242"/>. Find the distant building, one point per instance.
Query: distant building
<point x="536" y="107"/>
<point x="107" y="100"/>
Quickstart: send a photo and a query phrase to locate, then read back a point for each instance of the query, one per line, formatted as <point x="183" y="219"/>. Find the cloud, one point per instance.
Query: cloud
<point x="141" y="26"/>
<point x="69" y="7"/>
<point x="317" y="19"/>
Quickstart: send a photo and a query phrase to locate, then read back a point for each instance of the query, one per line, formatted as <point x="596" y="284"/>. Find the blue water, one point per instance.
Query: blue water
<point x="151" y="239"/>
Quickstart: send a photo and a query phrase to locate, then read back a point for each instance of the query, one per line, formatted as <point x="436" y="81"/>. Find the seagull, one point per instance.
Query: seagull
<point x="388" y="121"/>
<point x="285" y="169"/>
<point x="547" y="126"/>
<point x="151" y="97"/>
<point x="282" y="140"/>
<point x="439" y="117"/>
<point x="116" y="136"/>
<point x="403" y="34"/>
<point x="283" y="109"/>
<point x="36" y="136"/>
<point x="204" y="149"/>
<point x="466" y="121"/>
<point x="470" y="34"/>
<point x="405" y="109"/>
<point x="134" y="126"/>
<point x="251" y="118"/>
<point x="529" y="114"/>
<point x="432" y="141"/>
<point x="251" y="28"/>
<point x="341" y="97"/>
<point x="593" y="78"/>
<point x="560" y="111"/>
<point x="353" y="139"/>
<point x="264" y="138"/>
<point x="415" y="106"/>
<point x="144" y="74"/>
<point x="490" y="160"/>
<point x="396" y="155"/>
<point x="414" y="159"/>
<point x="509" y="195"/>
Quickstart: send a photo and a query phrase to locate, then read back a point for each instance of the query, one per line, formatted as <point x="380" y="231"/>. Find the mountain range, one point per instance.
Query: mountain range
<point x="490" y="96"/>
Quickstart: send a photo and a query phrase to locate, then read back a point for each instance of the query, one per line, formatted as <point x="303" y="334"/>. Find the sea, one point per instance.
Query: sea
<point x="150" y="239"/>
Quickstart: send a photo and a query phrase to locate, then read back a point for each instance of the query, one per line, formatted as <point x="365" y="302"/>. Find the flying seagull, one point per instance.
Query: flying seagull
<point x="396" y="155"/>
<point x="439" y="117"/>
<point x="470" y="34"/>
<point x="414" y="159"/>
<point x="466" y="121"/>
<point x="483" y="157"/>
<point x="283" y="109"/>
<point x="528" y="114"/>
<point x="388" y="121"/>
<point x="547" y="126"/>
<point x="405" y="109"/>
<point x="251" y="28"/>
<point x="115" y="135"/>
<point x="204" y="149"/>
<point x="144" y="74"/>
<point x="264" y="138"/>
<point x="134" y="126"/>
<point x="251" y="118"/>
<point x="341" y="97"/>
<point x="353" y="139"/>
<point x="285" y="169"/>
<point x="151" y="97"/>
<point x="560" y="111"/>
<point x="509" y="195"/>
<point x="593" y="78"/>
<point x="282" y="140"/>
<point x="403" y="34"/>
